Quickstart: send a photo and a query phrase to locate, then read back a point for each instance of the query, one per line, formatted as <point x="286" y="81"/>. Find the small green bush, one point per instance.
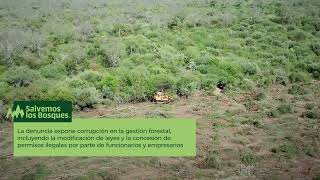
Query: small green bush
<point x="135" y="84"/>
<point x="3" y="112"/>
<point x="209" y="82"/>
<point x="187" y="84"/>
<point x="281" y="79"/>
<point x="298" y="77"/>
<point x="21" y="76"/>
<point x="86" y="97"/>
<point x="137" y="44"/>
<point x="315" y="47"/>
<point x="121" y="30"/>
<point x="175" y="22"/>
<point x="314" y="69"/>
<point x="260" y="96"/>
<point x="53" y="71"/>
<point x="62" y="35"/>
<point x="264" y="81"/>
<point x="248" y="158"/>
<point x="297" y="35"/>
<point x="60" y="92"/>
<point x="2" y="70"/>
<point x="250" y="69"/>
<point x="76" y="82"/>
<point x="110" y="81"/>
<point x="312" y="114"/>
<point x="246" y="84"/>
<point x="164" y="82"/>
<point x="91" y="77"/>
<point x="297" y="90"/>
<point x="310" y="106"/>
<point x="109" y="86"/>
<point x="249" y="42"/>
<point x="285" y="108"/>
<point x="31" y="92"/>
<point x="290" y="149"/>
<point x="111" y="53"/>
<point x="273" y="114"/>
<point x="4" y="88"/>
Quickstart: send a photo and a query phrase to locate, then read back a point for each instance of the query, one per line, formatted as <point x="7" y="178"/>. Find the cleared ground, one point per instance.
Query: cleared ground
<point x="259" y="134"/>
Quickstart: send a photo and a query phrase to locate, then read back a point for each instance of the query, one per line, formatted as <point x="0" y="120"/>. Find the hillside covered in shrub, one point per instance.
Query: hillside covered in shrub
<point x="99" y="52"/>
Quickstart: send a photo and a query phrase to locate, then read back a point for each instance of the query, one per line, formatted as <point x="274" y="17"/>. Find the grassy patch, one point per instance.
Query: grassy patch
<point x="289" y="149"/>
<point x="39" y="172"/>
<point x="248" y="158"/>
<point x="213" y="160"/>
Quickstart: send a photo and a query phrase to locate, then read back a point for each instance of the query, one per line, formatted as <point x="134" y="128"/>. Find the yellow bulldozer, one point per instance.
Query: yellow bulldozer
<point x="160" y="97"/>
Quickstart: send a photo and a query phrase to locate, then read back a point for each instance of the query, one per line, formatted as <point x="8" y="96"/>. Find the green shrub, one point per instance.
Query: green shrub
<point x="290" y="149"/>
<point x="110" y="81"/>
<point x="91" y="77"/>
<point x="3" y="112"/>
<point x="21" y="76"/>
<point x="175" y="22"/>
<point x="274" y="113"/>
<point x="209" y="82"/>
<point x="62" y="35"/>
<point x="283" y="13"/>
<point x="249" y="42"/>
<point x="121" y="30"/>
<point x="315" y="47"/>
<point x="282" y="79"/>
<point x="53" y="71"/>
<point x="187" y="84"/>
<point x="285" y="108"/>
<point x="312" y="114"/>
<point x="72" y="55"/>
<point x="136" y="85"/>
<point x="31" y="92"/>
<point x="246" y="84"/>
<point x="60" y="92"/>
<point x="260" y="96"/>
<point x="86" y="97"/>
<point x="310" y="106"/>
<point x="248" y="158"/>
<point x="109" y="86"/>
<point x="249" y="68"/>
<point x="12" y="46"/>
<point x="192" y="52"/>
<point x="137" y="44"/>
<point x="76" y="82"/>
<point x="297" y="35"/>
<point x="111" y="52"/>
<point x="37" y="23"/>
<point x="164" y="82"/>
<point x="299" y="77"/>
<point x="4" y="89"/>
<point x="314" y="69"/>
<point x="301" y="52"/>
<point x="2" y="70"/>
<point x="297" y="90"/>
<point x="264" y="80"/>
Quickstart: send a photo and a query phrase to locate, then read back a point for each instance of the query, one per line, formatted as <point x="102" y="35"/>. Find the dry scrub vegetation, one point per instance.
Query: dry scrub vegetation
<point x="110" y="56"/>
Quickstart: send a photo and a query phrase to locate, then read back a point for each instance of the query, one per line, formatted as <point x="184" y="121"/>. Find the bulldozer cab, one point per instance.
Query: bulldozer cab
<point x="161" y="97"/>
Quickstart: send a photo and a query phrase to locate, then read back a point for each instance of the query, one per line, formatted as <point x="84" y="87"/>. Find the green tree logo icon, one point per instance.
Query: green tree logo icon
<point x="16" y="113"/>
